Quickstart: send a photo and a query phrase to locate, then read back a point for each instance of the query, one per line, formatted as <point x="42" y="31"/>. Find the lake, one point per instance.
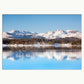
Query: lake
<point x="41" y="59"/>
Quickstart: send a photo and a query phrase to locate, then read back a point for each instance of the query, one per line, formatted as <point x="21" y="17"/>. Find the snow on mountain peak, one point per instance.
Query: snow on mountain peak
<point x="72" y="31"/>
<point x="12" y="31"/>
<point x="49" y="35"/>
<point x="59" y="32"/>
<point x="50" y="32"/>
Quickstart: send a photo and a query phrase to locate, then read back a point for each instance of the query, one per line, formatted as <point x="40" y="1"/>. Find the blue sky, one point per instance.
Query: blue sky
<point x="41" y="23"/>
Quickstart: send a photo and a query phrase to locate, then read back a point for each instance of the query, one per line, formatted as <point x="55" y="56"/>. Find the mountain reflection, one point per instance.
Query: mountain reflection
<point x="28" y="53"/>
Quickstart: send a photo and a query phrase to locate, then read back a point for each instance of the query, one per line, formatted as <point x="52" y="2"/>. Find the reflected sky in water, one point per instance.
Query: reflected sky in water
<point x="41" y="59"/>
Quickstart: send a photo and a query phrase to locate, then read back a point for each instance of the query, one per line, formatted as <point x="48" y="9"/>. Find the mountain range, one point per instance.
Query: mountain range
<point x="17" y="34"/>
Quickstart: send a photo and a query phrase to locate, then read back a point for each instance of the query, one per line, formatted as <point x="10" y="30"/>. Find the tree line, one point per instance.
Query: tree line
<point x="42" y="40"/>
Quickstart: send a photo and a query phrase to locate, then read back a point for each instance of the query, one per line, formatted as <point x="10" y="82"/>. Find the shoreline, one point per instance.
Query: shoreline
<point x="38" y="45"/>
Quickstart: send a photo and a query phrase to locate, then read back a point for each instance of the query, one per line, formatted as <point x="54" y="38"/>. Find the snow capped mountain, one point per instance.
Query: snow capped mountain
<point x="61" y="34"/>
<point x="48" y="35"/>
<point x="16" y="34"/>
<point x="6" y="35"/>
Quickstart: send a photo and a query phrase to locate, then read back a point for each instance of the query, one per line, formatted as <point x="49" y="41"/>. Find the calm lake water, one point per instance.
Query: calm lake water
<point x="41" y="59"/>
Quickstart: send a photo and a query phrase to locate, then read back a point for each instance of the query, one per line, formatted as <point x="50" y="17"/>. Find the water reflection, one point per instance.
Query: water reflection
<point x="50" y="53"/>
